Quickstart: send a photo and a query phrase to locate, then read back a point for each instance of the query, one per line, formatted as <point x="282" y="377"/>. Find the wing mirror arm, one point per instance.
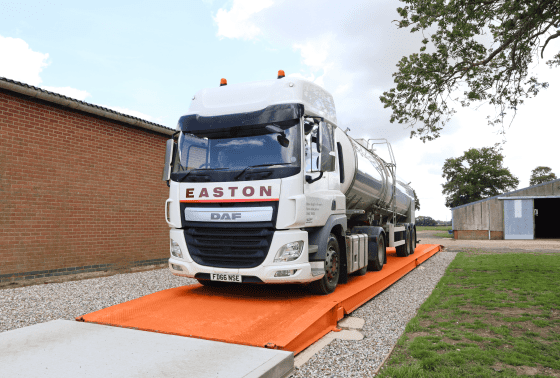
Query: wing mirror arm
<point x="310" y="180"/>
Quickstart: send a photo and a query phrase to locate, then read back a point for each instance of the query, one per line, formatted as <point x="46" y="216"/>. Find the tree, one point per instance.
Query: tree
<point x="541" y="174"/>
<point x="476" y="175"/>
<point x="425" y="221"/>
<point x="416" y="201"/>
<point x="496" y="72"/>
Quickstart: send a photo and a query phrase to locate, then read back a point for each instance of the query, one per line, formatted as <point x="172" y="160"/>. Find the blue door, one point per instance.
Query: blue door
<point x="518" y="219"/>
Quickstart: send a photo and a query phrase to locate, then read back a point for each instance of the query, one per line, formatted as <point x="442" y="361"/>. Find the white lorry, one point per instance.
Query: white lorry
<point x="265" y="188"/>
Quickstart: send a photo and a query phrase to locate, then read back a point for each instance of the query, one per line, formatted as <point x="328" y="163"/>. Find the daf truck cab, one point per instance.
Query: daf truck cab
<point x="265" y="188"/>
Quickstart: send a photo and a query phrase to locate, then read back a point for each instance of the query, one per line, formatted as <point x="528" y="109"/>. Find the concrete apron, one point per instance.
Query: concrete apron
<point x="63" y="348"/>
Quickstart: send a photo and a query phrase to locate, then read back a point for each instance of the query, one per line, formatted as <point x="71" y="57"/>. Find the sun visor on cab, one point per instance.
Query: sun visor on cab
<point x="282" y="114"/>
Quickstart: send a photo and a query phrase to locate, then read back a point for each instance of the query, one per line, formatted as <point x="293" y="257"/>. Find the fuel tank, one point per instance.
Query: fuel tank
<point x="368" y="183"/>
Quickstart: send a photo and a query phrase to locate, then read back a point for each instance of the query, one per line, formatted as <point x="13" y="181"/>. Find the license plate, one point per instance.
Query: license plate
<point x="225" y="277"/>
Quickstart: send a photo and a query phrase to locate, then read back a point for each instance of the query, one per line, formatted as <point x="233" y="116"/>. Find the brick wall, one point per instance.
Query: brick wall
<point x="477" y="235"/>
<point x="78" y="193"/>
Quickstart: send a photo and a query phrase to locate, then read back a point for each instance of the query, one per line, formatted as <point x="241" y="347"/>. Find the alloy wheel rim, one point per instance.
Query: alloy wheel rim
<point x="331" y="266"/>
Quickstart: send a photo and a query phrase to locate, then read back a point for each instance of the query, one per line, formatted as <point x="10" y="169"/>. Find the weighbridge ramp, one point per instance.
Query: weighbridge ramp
<point x="284" y="317"/>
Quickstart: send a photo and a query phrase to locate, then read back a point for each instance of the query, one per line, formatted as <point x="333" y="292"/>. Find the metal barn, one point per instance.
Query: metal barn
<point x="529" y="213"/>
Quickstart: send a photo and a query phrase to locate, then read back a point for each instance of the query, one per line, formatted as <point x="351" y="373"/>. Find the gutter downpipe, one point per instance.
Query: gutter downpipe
<point x="489" y="220"/>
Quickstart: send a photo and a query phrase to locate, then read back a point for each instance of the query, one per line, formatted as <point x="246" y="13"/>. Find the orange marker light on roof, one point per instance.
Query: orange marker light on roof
<point x="281" y="74"/>
<point x="223" y="82"/>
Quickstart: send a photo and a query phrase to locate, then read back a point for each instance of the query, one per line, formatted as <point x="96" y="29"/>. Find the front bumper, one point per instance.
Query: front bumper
<point x="264" y="272"/>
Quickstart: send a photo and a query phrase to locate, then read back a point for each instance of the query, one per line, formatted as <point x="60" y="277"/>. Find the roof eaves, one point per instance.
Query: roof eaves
<point x="29" y="90"/>
<point x="504" y="194"/>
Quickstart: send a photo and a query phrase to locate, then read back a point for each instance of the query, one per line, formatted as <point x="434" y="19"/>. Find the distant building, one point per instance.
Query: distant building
<point x="80" y="188"/>
<point x="529" y="213"/>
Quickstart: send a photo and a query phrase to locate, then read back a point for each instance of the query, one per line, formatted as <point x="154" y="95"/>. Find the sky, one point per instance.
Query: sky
<point x="148" y="59"/>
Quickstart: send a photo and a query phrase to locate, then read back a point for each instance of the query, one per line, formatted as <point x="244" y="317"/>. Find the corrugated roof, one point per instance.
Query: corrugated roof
<point x="29" y="90"/>
<point x="505" y="194"/>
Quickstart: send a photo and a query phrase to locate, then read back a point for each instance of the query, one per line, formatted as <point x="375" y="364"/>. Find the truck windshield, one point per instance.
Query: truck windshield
<point x="236" y="153"/>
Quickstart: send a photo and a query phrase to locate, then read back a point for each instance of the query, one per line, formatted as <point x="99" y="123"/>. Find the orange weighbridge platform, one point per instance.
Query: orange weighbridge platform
<point x="282" y="317"/>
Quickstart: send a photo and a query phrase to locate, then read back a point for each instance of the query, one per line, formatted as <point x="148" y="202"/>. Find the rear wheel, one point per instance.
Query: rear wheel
<point x="327" y="284"/>
<point x="412" y="240"/>
<point x="404" y="249"/>
<point x="377" y="257"/>
<point x="377" y="252"/>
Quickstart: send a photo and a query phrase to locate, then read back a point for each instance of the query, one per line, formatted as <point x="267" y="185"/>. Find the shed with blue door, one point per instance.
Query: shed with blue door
<point x="529" y="213"/>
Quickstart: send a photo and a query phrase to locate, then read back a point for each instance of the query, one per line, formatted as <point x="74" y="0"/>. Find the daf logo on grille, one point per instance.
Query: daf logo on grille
<point x="225" y="216"/>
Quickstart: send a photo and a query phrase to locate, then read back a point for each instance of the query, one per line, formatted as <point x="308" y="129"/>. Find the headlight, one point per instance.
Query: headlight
<point x="289" y="252"/>
<point x="175" y="249"/>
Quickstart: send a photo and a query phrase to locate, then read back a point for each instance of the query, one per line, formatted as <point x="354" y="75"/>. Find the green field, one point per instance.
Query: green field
<point x="491" y="315"/>
<point x="433" y="228"/>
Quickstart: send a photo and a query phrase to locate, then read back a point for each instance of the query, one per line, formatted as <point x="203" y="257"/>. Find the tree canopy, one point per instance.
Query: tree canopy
<point x="425" y="221"/>
<point x="541" y="174"/>
<point x="484" y="47"/>
<point x="476" y="175"/>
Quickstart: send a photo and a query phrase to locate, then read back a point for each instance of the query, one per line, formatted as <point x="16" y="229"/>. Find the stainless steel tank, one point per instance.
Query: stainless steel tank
<point x="368" y="183"/>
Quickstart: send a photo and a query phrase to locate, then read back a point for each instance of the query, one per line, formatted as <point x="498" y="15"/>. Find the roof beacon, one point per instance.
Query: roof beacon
<point x="281" y="74"/>
<point x="223" y="82"/>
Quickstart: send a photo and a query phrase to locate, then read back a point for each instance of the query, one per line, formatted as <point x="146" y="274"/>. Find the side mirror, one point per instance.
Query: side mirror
<point x="168" y="159"/>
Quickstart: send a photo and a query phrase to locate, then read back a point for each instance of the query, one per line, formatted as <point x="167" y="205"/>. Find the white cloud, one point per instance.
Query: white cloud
<point x="315" y="51"/>
<point x="237" y="22"/>
<point x="352" y="48"/>
<point x="18" y="62"/>
<point x="68" y="92"/>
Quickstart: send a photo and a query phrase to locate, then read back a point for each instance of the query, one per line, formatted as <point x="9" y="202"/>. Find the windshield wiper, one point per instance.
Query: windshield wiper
<point x="200" y="169"/>
<point x="259" y="165"/>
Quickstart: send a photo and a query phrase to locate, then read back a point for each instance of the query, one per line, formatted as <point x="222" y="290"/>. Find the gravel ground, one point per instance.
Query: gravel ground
<point x="452" y="245"/>
<point x="21" y="307"/>
<point x="385" y="317"/>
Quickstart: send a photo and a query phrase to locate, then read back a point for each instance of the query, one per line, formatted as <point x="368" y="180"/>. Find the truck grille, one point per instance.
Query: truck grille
<point x="228" y="247"/>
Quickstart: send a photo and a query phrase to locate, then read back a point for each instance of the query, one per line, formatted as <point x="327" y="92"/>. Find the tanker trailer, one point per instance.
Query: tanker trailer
<point x="375" y="196"/>
<point x="265" y="188"/>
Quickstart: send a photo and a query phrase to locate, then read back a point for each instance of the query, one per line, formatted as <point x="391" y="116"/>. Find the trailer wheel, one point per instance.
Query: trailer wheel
<point x="404" y="250"/>
<point x="327" y="284"/>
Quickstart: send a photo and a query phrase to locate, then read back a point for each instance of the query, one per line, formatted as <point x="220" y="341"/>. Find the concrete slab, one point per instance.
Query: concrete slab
<point x="63" y="348"/>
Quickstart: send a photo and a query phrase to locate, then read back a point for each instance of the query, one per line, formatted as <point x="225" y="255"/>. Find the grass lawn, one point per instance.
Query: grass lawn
<point x="491" y="315"/>
<point x="444" y="235"/>
<point x="433" y="228"/>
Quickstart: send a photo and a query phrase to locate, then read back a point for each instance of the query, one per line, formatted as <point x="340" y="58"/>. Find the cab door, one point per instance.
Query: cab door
<point x="320" y="165"/>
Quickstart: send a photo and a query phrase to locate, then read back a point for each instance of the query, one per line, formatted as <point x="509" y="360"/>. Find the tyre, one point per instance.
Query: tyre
<point x="377" y="257"/>
<point x="404" y="250"/>
<point x="412" y="240"/>
<point x="361" y="272"/>
<point x="376" y="251"/>
<point x="328" y="282"/>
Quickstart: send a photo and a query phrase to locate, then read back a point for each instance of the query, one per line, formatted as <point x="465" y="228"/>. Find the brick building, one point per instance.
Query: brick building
<point x="80" y="188"/>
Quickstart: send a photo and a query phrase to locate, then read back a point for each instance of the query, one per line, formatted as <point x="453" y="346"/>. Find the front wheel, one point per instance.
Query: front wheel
<point x="327" y="284"/>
